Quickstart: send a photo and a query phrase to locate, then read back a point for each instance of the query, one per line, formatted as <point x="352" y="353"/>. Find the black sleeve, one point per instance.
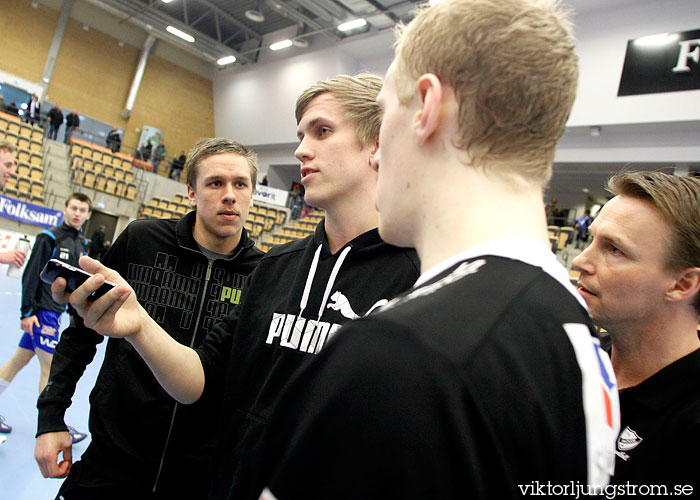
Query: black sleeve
<point x="75" y="350"/>
<point x="41" y="253"/>
<point x="374" y="416"/>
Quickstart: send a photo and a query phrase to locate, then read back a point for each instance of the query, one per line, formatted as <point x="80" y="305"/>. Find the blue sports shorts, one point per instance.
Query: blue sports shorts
<point x="44" y="336"/>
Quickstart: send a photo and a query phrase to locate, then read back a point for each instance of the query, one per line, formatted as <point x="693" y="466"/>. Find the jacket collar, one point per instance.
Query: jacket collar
<point x="185" y="237"/>
<point x="70" y="229"/>
<point x="365" y="240"/>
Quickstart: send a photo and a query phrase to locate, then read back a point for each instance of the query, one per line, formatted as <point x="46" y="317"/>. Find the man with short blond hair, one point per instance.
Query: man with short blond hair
<point x="641" y="280"/>
<point x="485" y="379"/>
<point x="187" y="273"/>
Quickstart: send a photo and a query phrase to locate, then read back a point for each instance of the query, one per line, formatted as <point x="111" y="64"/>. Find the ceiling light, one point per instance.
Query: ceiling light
<point x="226" y="60"/>
<point x="351" y="25"/>
<point x="255" y="15"/>
<point x="281" y="45"/>
<point x="656" y="40"/>
<point x="594" y="131"/>
<point x="181" y="34"/>
<point x="166" y="1"/>
<point x="585" y="190"/>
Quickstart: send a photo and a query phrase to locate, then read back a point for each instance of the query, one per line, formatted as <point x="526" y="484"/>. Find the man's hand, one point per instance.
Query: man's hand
<point x="115" y="314"/>
<point x="46" y="451"/>
<point x="27" y="324"/>
<point x="15" y="257"/>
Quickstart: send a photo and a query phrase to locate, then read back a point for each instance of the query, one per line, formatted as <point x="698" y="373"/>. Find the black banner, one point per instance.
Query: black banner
<point x="667" y="62"/>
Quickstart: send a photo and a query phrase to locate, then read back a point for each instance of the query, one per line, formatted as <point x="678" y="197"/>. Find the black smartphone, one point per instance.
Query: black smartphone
<point x="74" y="277"/>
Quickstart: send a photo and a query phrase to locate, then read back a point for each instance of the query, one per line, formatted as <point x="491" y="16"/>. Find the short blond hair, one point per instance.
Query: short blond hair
<point x="357" y="95"/>
<point x="514" y="71"/>
<point x="7" y="146"/>
<point x="210" y="146"/>
<point x="678" y="201"/>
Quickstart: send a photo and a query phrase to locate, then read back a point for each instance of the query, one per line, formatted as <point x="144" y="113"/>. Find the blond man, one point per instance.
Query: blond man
<point x="485" y="380"/>
<point x="187" y="273"/>
<point x="298" y="296"/>
<point x="7" y="169"/>
<point x="641" y="280"/>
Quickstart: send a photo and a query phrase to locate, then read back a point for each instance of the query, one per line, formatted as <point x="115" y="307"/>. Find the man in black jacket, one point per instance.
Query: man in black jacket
<point x="33" y="112"/>
<point x="72" y="123"/>
<point x="40" y="314"/>
<point x="186" y="274"/>
<point x="55" y="121"/>
<point x="97" y="243"/>
<point x="299" y="295"/>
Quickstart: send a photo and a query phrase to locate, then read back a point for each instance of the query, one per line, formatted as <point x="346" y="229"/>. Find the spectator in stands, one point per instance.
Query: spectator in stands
<point x="144" y="445"/>
<point x="297" y="202"/>
<point x="3" y="106"/>
<point x="114" y="140"/>
<point x="581" y="228"/>
<point x="177" y="165"/>
<point x="640" y="277"/>
<point x="72" y="124"/>
<point x="40" y="314"/>
<point x="12" y="108"/>
<point x="55" y="121"/>
<point x="158" y="155"/>
<point x="297" y="297"/>
<point x="97" y="243"/>
<point x="144" y="152"/>
<point x="33" y="113"/>
<point x="461" y="387"/>
<point x="7" y="170"/>
<point x="263" y="182"/>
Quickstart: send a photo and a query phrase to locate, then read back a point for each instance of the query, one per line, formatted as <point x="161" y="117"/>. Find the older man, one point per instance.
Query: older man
<point x="640" y="278"/>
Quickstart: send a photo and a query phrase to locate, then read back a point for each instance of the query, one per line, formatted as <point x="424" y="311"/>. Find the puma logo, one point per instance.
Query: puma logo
<point x="340" y="303"/>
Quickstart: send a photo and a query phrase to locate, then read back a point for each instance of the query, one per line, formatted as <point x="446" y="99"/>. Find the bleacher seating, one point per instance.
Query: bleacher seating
<point x="97" y="167"/>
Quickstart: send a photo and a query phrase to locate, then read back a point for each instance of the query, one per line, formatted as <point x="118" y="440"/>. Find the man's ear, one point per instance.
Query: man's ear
<point x="192" y="197"/>
<point x="686" y="286"/>
<point x="373" y="152"/>
<point x="427" y="120"/>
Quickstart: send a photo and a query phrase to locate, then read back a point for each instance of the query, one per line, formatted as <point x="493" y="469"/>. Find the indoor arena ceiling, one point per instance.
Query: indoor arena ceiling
<point x="236" y="27"/>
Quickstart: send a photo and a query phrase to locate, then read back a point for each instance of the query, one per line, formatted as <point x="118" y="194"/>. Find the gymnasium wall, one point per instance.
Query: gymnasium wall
<point x="93" y="75"/>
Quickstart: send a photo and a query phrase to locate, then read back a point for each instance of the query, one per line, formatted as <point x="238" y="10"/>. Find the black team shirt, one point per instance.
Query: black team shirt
<point x="483" y="379"/>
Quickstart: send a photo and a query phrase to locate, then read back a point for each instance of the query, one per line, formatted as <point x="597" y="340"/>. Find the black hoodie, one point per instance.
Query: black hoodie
<point x="296" y="287"/>
<point x="141" y="438"/>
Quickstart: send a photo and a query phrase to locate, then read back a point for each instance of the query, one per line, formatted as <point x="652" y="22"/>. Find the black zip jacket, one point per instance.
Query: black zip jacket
<point x="298" y="297"/>
<point x="62" y="242"/>
<point x="141" y="438"/>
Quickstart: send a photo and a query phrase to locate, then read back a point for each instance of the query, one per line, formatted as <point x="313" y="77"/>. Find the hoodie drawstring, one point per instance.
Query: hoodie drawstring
<point x="331" y="281"/>
<point x="329" y="285"/>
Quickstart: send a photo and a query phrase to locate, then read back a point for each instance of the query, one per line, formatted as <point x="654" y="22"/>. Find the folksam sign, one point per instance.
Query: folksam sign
<point x="21" y="211"/>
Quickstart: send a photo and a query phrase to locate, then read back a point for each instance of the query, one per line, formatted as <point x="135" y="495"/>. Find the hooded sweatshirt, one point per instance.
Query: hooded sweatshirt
<point x="296" y="300"/>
